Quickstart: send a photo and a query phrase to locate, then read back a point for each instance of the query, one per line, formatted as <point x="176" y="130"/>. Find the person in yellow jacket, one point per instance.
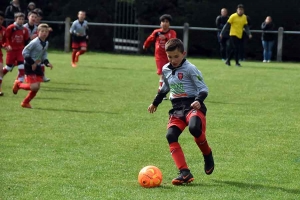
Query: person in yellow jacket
<point x="237" y="22"/>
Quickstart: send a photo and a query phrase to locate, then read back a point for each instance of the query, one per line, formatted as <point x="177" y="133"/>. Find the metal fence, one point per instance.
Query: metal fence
<point x="185" y="28"/>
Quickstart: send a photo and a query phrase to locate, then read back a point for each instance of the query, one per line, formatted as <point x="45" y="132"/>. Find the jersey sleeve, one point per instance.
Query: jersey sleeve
<point x="8" y="36"/>
<point x="231" y="18"/>
<point x="150" y="39"/>
<point x="72" y="29"/>
<point x="197" y="79"/>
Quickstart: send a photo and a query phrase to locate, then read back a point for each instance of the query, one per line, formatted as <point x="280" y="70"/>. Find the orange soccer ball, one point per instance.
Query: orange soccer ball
<point x="150" y="176"/>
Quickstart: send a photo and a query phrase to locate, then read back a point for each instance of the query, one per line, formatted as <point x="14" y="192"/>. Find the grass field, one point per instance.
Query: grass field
<point x="89" y="133"/>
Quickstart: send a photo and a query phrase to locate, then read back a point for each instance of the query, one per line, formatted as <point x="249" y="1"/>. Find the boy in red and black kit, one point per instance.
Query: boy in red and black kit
<point x="35" y="55"/>
<point x="16" y="38"/>
<point x="160" y="37"/>
<point x="2" y="40"/>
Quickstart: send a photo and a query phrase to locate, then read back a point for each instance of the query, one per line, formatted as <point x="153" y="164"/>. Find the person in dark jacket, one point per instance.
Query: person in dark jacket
<point x="14" y="7"/>
<point x="31" y="6"/>
<point x="221" y="20"/>
<point x="268" y="39"/>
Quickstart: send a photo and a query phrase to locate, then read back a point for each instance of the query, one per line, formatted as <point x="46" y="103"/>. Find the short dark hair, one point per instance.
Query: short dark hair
<point x="173" y="44"/>
<point x="19" y="14"/>
<point x="2" y="14"/>
<point x="240" y="6"/>
<point x="32" y="12"/>
<point x="39" y="12"/>
<point x="165" y="16"/>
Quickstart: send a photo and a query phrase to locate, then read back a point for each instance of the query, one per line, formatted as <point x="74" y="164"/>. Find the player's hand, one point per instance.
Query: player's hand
<point x="152" y="108"/>
<point x="196" y="105"/>
<point x="8" y="48"/>
<point x="87" y="37"/>
<point x="50" y="65"/>
<point x="250" y="36"/>
<point x="221" y="36"/>
<point x="144" y="47"/>
<point x="33" y="67"/>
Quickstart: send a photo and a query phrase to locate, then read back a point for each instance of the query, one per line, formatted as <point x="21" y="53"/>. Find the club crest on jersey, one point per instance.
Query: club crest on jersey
<point x="180" y="75"/>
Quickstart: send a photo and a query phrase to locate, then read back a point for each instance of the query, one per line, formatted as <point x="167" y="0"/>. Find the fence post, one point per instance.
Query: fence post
<point x="279" y="44"/>
<point x="186" y="36"/>
<point x="67" y="34"/>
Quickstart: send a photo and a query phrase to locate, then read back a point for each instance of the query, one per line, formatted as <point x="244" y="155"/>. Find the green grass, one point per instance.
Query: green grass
<point x="89" y="133"/>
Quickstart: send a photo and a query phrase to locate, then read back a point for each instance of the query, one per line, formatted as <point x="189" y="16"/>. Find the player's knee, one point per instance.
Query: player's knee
<point x="195" y="126"/>
<point x="20" y="63"/>
<point x="173" y="134"/>
<point x="83" y="49"/>
<point x="35" y="87"/>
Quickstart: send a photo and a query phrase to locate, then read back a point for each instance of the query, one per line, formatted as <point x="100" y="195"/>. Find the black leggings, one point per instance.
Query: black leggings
<point x="235" y="48"/>
<point x="195" y="128"/>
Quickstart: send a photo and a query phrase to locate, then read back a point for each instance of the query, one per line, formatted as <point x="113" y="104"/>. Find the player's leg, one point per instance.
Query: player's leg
<point x="34" y="82"/>
<point x="10" y="60"/>
<point x="159" y="65"/>
<point x="45" y="79"/>
<point x="175" y="128"/>
<point x="1" y="75"/>
<point x="75" y="49"/>
<point x="231" y="50"/>
<point x="83" y="49"/>
<point x="197" y="127"/>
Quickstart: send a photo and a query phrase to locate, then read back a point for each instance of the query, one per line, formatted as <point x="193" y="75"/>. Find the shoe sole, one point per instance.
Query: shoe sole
<point x="177" y="182"/>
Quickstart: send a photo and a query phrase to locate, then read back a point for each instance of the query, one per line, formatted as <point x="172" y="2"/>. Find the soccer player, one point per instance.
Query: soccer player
<point x="35" y="54"/>
<point x="2" y="40"/>
<point x="160" y="37"/>
<point x="237" y="22"/>
<point x="79" y="31"/>
<point x="16" y="37"/>
<point x="187" y="94"/>
<point x="30" y="25"/>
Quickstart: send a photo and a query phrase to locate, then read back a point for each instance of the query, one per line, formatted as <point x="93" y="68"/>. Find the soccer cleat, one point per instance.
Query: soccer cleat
<point x="185" y="176"/>
<point x="74" y="64"/>
<point x="238" y="65"/>
<point x="165" y="98"/>
<point x="26" y="105"/>
<point x="264" y="61"/>
<point x="1" y="93"/>
<point x="209" y="163"/>
<point x="45" y="79"/>
<point x="77" y="57"/>
<point x="228" y="62"/>
<point x="16" y="86"/>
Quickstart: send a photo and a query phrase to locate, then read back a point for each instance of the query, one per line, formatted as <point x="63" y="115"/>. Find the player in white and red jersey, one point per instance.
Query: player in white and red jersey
<point x="16" y="38"/>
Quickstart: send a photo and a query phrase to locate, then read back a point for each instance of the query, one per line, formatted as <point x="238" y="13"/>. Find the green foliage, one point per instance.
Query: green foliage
<point x="89" y="132"/>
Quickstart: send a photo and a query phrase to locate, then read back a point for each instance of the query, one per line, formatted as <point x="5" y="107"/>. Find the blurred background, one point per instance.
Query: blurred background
<point x="197" y="13"/>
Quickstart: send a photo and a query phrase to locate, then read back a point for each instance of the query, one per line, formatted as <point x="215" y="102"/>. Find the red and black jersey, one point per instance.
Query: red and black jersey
<point x="16" y="36"/>
<point x="160" y="42"/>
<point x="2" y="36"/>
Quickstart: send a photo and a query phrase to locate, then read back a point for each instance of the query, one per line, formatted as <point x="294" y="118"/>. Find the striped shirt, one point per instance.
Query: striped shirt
<point x="185" y="81"/>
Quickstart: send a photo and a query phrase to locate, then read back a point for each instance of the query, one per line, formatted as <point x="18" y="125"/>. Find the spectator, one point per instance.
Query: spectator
<point x="237" y="22"/>
<point x="245" y="39"/>
<point x="224" y="42"/>
<point x="14" y="7"/>
<point x="268" y="38"/>
<point x="31" y="6"/>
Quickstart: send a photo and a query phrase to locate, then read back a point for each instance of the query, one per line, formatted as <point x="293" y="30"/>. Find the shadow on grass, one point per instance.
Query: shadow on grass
<point x="257" y="186"/>
<point x="66" y="83"/>
<point x="62" y="89"/>
<point x="76" y="111"/>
